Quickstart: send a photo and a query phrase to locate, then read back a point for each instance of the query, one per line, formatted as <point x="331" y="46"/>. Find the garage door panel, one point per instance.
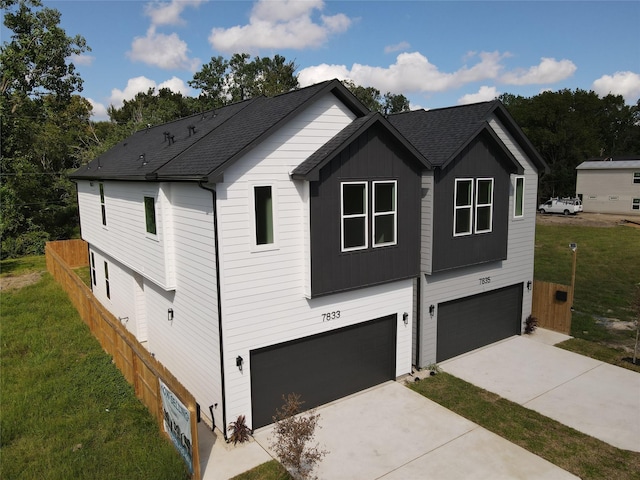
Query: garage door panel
<point x="324" y="367"/>
<point x="472" y="322"/>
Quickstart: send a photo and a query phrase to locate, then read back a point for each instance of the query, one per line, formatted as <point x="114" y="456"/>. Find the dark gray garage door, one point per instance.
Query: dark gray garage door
<point x="322" y="368"/>
<point x="479" y="320"/>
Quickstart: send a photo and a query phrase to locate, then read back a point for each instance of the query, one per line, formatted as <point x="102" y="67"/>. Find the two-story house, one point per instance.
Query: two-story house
<point x="297" y="243"/>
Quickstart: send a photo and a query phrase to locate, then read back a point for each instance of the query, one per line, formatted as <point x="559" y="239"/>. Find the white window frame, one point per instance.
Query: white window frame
<point x="107" y="283"/>
<point x="262" y="247"/>
<point x="515" y="197"/>
<point x="148" y="234"/>
<point x="636" y="177"/>
<point x="94" y="280"/>
<point x="468" y="207"/>
<point x="479" y="205"/>
<point x="393" y="212"/>
<point x="635" y="204"/>
<point x="103" y="205"/>
<point x="364" y="215"/>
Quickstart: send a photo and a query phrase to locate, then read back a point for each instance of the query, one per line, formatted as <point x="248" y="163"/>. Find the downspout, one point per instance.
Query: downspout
<point x="216" y="250"/>
<point x="418" y="320"/>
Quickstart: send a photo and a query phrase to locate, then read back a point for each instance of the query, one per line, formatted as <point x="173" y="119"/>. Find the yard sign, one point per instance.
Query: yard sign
<point x="177" y="423"/>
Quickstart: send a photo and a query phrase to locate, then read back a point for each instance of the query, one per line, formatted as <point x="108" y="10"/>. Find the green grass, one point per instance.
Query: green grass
<point x="271" y="470"/>
<point x="580" y="454"/>
<point x="67" y="412"/>
<point x="19" y="266"/>
<point x="608" y="261"/>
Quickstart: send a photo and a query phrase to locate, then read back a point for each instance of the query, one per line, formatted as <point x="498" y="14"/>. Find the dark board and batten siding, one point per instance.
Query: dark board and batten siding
<point x="375" y="155"/>
<point x="482" y="158"/>
<point x="322" y="368"/>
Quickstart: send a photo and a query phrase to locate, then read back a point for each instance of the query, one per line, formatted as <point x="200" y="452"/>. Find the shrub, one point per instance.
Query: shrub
<point x="292" y="433"/>
<point x="239" y="430"/>
<point x="531" y="323"/>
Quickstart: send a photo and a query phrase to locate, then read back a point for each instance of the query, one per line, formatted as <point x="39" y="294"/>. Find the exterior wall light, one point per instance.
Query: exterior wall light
<point x="405" y="318"/>
<point x="170" y="315"/>
<point x="529" y="285"/>
<point x="432" y="310"/>
<point x="239" y="362"/>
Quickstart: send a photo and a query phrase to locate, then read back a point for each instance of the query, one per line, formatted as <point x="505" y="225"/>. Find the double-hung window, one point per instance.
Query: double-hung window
<point x="102" y="205"/>
<point x="93" y="269"/>
<point x="384" y="213"/>
<point x="484" y="205"/>
<point x="473" y="206"/>
<point x="636" y="177"/>
<point x="518" y="199"/>
<point x="150" y="215"/>
<point x="463" y="207"/>
<point x="635" y="204"/>
<point x="354" y="216"/>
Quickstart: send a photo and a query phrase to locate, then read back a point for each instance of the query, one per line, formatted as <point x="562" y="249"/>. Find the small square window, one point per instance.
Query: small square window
<point x="150" y="214"/>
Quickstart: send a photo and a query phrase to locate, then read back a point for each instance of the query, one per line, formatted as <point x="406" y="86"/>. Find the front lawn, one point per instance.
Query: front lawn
<point x="67" y="412"/>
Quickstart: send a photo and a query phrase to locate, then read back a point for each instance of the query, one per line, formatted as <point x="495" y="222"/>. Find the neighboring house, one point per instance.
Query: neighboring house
<point x="610" y="186"/>
<point x="296" y="243"/>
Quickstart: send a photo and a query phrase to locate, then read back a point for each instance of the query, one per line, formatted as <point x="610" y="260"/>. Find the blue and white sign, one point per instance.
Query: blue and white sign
<point x="177" y="423"/>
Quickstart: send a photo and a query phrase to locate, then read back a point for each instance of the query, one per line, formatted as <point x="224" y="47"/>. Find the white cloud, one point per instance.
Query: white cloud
<point x="626" y="84"/>
<point x="163" y="51"/>
<point x="483" y="95"/>
<point x="549" y="70"/>
<point x="143" y="84"/>
<point x="168" y="13"/>
<point x="81" y="59"/>
<point x="412" y="72"/>
<point x="397" y="47"/>
<point x="280" y="24"/>
<point x="99" y="112"/>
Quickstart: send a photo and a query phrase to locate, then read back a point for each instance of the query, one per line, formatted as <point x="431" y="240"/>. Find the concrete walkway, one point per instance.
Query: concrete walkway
<point x="391" y="432"/>
<point x="593" y="397"/>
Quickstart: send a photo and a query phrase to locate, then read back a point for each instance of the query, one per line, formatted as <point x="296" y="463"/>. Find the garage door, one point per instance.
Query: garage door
<point x="324" y="367"/>
<point x="472" y="322"/>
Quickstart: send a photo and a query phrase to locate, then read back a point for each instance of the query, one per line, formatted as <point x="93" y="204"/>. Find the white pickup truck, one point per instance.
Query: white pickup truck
<point x="566" y="206"/>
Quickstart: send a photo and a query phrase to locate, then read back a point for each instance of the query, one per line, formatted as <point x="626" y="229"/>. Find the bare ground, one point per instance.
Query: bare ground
<point x="588" y="220"/>
<point x="11" y="282"/>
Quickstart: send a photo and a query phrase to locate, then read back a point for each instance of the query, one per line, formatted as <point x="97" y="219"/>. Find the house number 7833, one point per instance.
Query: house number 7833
<point x="330" y="315"/>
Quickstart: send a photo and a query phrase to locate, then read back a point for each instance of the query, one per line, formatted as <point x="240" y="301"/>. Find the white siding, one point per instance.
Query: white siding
<point x="265" y="292"/>
<point x="124" y="236"/>
<point x="517" y="268"/>
<point x="189" y="345"/>
<point x="608" y="191"/>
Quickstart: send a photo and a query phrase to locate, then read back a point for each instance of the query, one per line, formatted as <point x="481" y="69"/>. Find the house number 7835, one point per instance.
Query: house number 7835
<point x="330" y="315"/>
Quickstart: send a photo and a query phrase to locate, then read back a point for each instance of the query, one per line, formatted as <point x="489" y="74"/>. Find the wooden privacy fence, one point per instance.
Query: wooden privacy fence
<point x="137" y="365"/>
<point x="551" y="305"/>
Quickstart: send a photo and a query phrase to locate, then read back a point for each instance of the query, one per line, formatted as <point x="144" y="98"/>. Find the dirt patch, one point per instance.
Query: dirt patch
<point x="588" y="220"/>
<point x="19" y="281"/>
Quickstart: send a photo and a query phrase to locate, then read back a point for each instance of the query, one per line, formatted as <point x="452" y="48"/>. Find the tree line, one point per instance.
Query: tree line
<point x="47" y="131"/>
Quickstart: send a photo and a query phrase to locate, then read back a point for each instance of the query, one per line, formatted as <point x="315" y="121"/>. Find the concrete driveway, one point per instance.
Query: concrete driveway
<point x="391" y="432"/>
<point x="593" y="397"/>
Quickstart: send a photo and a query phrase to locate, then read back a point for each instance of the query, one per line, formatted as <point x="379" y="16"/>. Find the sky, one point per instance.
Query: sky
<point x="436" y="53"/>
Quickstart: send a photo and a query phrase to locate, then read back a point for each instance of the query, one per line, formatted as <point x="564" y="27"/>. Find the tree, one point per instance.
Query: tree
<point x="41" y="121"/>
<point x="568" y="127"/>
<point x="372" y="99"/>
<point x="222" y="81"/>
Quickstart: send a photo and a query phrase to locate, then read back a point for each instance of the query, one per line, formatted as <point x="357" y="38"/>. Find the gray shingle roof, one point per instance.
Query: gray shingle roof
<point x="440" y="134"/>
<point x="215" y="139"/>
<point x="608" y="164"/>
